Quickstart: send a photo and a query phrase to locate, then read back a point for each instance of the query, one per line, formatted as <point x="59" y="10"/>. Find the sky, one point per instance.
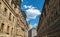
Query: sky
<point x="33" y="9"/>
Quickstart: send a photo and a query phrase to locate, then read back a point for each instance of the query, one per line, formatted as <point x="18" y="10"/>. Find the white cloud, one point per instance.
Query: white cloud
<point x="31" y="12"/>
<point x="28" y="6"/>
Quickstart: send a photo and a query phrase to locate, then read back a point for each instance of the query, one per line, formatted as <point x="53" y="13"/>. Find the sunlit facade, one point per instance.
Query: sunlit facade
<point x="12" y="20"/>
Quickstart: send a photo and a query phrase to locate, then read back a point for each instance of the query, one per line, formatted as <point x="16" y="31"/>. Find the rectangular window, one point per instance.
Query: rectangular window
<point x="10" y="16"/>
<point x="8" y="30"/>
<point x="0" y="3"/>
<point x="13" y="18"/>
<point x="11" y="31"/>
<point x="5" y="11"/>
<point x="2" y="26"/>
<point x="12" y="2"/>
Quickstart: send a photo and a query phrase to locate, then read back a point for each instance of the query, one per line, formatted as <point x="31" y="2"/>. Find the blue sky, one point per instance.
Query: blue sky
<point x="33" y="9"/>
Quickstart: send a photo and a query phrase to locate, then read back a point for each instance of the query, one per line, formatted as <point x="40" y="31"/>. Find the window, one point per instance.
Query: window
<point x="0" y="3"/>
<point x="8" y="30"/>
<point x="11" y="31"/>
<point x="23" y="29"/>
<point x="13" y="18"/>
<point x="2" y="26"/>
<point x="44" y="12"/>
<point x="10" y="16"/>
<point x="5" y="9"/>
<point x="11" y="2"/>
<point x="4" y="12"/>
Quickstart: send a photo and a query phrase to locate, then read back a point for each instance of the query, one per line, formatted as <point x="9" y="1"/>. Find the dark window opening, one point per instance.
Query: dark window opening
<point x="8" y="30"/>
<point x="44" y="12"/>
<point x="23" y="29"/>
<point x="10" y="16"/>
<point x="13" y="19"/>
<point x="0" y="2"/>
<point x="2" y="26"/>
<point x="12" y="2"/>
<point x="11" y="31"/>
<point x="5" y="9"/>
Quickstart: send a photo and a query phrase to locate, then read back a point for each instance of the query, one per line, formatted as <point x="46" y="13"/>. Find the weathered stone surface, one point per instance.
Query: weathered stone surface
<point x="49" y="25"/>
<point x="12" y="20"/>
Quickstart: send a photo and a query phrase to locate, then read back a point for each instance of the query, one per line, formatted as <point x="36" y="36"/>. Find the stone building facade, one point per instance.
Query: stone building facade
<point x="32" y="32"/>
<point x="12" y="20"/>
<point x="49" y="25"/>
